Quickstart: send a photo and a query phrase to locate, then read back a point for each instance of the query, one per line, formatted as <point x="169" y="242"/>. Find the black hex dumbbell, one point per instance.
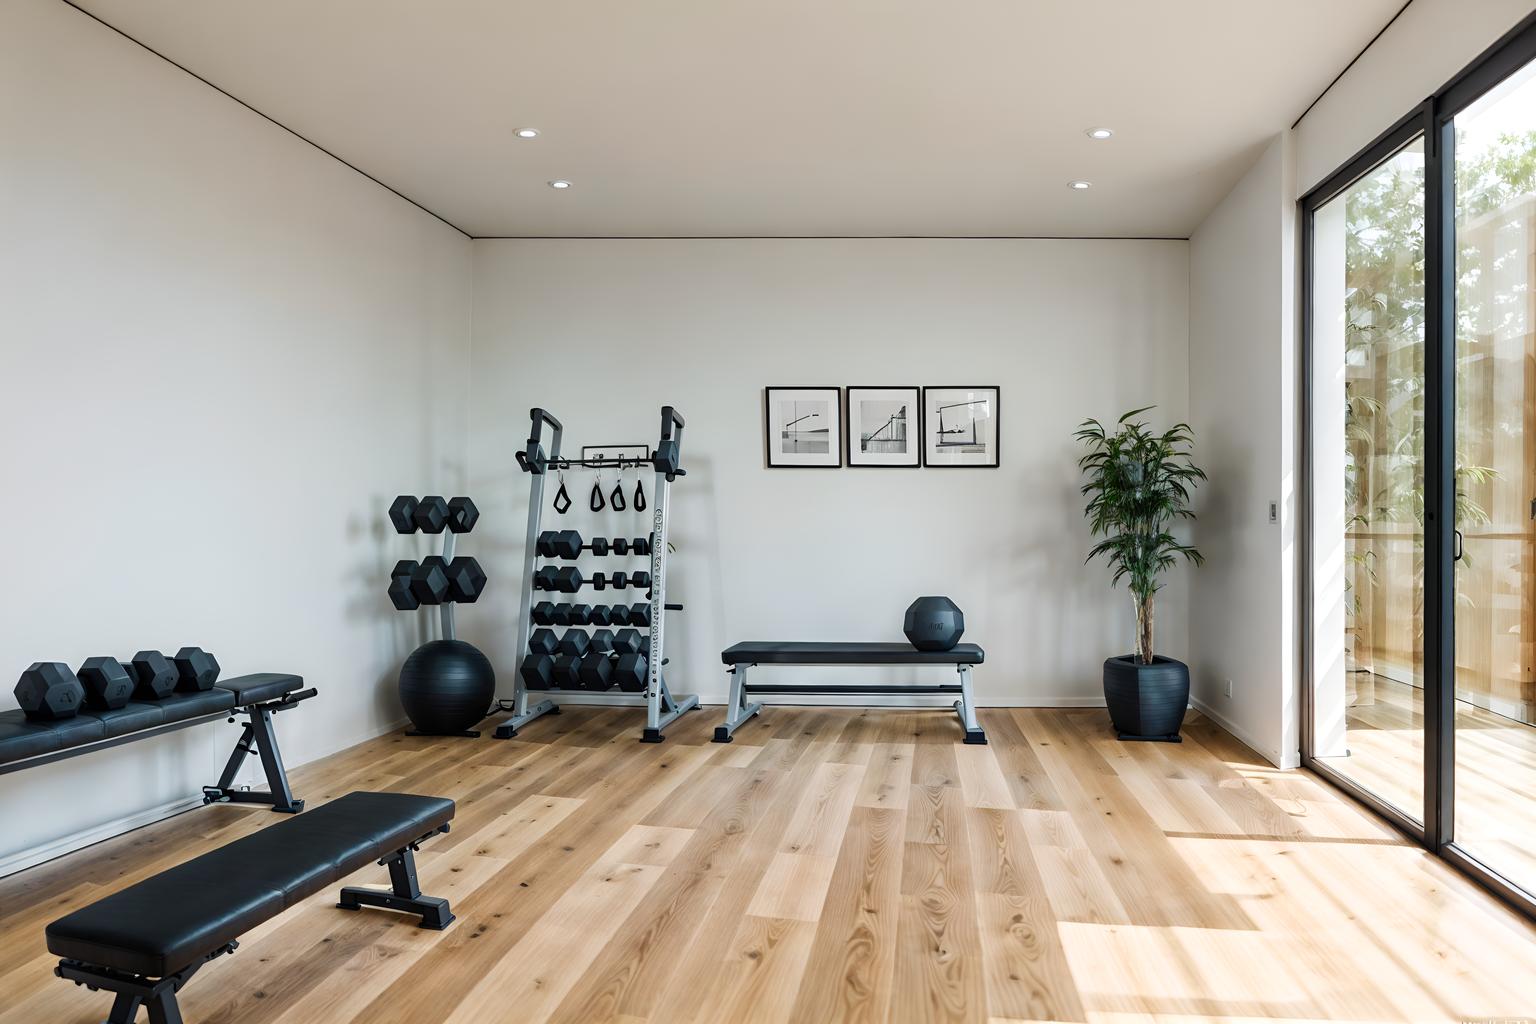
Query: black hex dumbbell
<point x="431" y="515"/>
<point x="402" y="514"/>
<point x="543" y="641"/>
<point x="575" y="641"/>
<point x="196" y="669"/>
<point x="429" y="581"/>
<point x="600" y="615"/>
<point x="48" y="691"/>
<point x="567" y="671"/>
<point x="107" y="683"/>
<point x="462" y="515"/>
<point x="154" y="675"/>
<point x="466" y="580"/>
<point x="538" y="671"/>
<point x="628" y="641"/>
<point x="596" y="672"/>
<point x="639" y="615"/>
<point x="629" y="672"/>
<point x="400" y="585"/>
<point x="544" y="614"/>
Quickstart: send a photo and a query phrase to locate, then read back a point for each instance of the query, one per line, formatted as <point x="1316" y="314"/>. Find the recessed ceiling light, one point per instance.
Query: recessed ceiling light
<point x="527" y="133"/>
<point x="1100" y="133"/>
<point x="559" y="183"/>
<point x="1079" y="185"/>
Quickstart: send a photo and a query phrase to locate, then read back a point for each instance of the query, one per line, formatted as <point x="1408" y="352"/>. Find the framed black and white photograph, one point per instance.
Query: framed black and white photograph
<point x="803" y="427"/>
<point x="884" y="427"/>
<point x="961" y="427"/>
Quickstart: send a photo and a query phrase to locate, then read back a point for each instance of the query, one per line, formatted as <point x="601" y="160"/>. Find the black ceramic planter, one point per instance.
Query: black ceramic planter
<point x="1146" y="702"/>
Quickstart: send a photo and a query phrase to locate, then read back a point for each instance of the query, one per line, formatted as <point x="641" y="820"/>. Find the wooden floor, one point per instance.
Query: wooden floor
<point x="837" y="865"/>
<point x="1495" y="773"/>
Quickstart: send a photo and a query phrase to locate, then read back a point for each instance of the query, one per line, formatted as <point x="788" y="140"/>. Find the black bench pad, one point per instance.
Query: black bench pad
<point x="21" y="738"/>
<point x="165" y="923"/>
<point x="260" y="687"/>
<point x="767" y="652"/>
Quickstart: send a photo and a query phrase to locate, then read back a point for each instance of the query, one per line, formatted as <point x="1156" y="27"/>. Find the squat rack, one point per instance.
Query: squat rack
<point x="662" y="708"/>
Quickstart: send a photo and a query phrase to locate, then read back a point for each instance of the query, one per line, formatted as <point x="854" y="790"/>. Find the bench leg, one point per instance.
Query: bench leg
<point x="738" y="709"/>
<point x="163" y="1008"/>
<point x="125" y="1008"/>
<point x="132" y="991"/>
<point x="258" y="736"/>
<point x="965" y="707"/>
<point x="404" y="894"/>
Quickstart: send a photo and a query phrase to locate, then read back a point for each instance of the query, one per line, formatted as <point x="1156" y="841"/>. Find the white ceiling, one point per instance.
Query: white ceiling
<point x="778" y="117"/>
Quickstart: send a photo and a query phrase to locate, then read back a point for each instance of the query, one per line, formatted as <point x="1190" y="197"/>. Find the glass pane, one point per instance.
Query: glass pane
<point x="1495" y="492"/>
<point x="1368" y="481"/>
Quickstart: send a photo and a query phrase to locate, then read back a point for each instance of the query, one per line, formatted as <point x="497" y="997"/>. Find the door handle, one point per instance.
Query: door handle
<point x="1456" y="547"/>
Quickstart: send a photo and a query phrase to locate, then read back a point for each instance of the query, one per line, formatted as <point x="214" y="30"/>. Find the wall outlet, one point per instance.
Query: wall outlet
<point x="1274" y="511"/>
<point x="1228" y="688"/>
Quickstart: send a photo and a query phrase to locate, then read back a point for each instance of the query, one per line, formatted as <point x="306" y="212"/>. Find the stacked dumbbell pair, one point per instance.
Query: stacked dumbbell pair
<point x="48" y="691"/>
<point x="435" y="579"/>
<point x="575" y="660"/>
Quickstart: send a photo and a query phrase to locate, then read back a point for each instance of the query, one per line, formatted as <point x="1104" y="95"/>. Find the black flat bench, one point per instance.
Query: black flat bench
<point x="743" y="656"/>
<point x="144" y="942"/>
<point x="26" y="744"/>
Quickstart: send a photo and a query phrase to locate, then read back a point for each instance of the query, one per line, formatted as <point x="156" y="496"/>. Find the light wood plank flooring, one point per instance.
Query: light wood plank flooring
<point x="837" y="865"/>
<point x="1495" y="773"/>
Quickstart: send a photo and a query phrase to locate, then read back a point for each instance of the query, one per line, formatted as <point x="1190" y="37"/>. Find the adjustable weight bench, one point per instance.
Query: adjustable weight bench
<point x="740" y="657"/>
<point x="27" y="744"/>
<point x="144" y="943"/>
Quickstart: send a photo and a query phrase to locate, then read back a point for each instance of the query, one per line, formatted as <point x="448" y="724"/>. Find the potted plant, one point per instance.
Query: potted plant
<point x="1138" y="484"/>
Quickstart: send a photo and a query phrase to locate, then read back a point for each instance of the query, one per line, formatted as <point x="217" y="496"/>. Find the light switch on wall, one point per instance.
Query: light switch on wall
<point x="1274" y="511"/>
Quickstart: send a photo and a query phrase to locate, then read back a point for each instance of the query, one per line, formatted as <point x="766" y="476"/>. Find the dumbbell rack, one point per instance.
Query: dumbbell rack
<point x="662" y="708"/>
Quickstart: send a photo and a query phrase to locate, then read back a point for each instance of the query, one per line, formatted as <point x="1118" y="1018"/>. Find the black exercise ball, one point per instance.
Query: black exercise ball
<point x="446" y="686"/>
<point x="934" y="623"/>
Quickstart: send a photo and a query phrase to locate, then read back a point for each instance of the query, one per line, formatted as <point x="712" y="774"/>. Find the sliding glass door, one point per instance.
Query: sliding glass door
<point x="1418" y="566"/>
<point x="1494" y="143"/>
<point x="1367" y="412"/>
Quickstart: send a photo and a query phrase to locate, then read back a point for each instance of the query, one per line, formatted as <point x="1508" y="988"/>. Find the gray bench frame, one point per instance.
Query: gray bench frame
<point x="740" y="709"/>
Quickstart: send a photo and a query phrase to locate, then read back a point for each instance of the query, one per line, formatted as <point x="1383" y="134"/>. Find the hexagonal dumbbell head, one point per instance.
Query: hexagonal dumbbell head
<point x="538" y="671"/>
<point x="596" y="672"/>
<point x="627" y="641"/>
<point x="574" y="641"/>
<point x="602" y="641"/>
<point x="48" y="691"/>
<point x="466" y="580"/>
<point x="543" y="641"/>
<point x="196" y="669"/>
<point x="400" y="585"/>
<point x="402" y="514"/>
<point x="629" y="672"/>
<point x="462" y="515"/>
<point x="934" y="623"/>
<point x="431" y="514"/>
<point x="566" y="544"/>
<point x="154" y="677"/>
<point x="544" y="614"/>
<point x="429" y="583"/>
<point x="107" y="684"/>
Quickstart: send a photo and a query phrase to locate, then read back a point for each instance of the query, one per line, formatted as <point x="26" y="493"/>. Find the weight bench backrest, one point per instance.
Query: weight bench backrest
<point x="165" y="923"/>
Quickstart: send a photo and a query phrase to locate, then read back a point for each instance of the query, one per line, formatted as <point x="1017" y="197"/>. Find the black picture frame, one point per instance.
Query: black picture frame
<point x="997" y="426"/>
<point x="915" y="436"/>
<point x="834" y="444"/>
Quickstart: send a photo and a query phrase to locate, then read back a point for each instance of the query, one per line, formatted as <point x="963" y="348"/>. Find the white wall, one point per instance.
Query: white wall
<point x="1242" y="408"/>
<point x="604" y="332"/>
<point x="223" y="352"/>
<point x="1429" y="43"/>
